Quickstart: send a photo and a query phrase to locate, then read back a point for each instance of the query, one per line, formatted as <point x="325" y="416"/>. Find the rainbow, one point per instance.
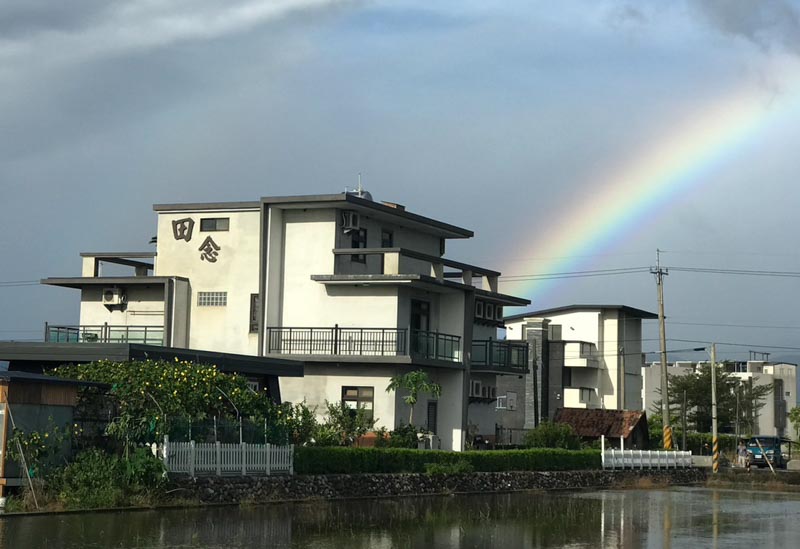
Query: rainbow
<point x="664" y="171"/>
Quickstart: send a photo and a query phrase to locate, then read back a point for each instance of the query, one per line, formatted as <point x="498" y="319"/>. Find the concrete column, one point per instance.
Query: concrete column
<point x="536" y="405"/>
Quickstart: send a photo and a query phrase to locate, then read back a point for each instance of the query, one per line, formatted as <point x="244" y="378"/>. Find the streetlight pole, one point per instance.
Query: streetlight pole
<point x="714" y="437"/>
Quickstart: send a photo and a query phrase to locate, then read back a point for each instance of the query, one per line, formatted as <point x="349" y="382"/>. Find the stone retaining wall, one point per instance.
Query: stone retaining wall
<point x="301" y="487"/>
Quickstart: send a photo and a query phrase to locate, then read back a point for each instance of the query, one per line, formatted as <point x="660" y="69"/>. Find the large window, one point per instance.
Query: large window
<point x="359" y="241"/>
<point x="359" y="397"/>
<point x="212" y="299"/>
<point x="209" y="224"/>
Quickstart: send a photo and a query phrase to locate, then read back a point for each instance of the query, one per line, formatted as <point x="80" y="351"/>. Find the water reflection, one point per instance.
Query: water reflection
<point x="614" y="519"/>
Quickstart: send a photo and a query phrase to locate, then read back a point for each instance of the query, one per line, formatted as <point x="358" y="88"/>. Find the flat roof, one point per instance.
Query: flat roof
<point x="30" y="377"/>
<point x="81" y="281"/>
<point x="54" y="354"/>
<point x="341" y="199"/>
<point x="630" y="311"/>
<point x="114" y="255"/>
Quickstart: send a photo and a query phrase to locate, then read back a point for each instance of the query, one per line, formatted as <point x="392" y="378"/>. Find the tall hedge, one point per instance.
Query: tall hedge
<point x="333" y="460"/>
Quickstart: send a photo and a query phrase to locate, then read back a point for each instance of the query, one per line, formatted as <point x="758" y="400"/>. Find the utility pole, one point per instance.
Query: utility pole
<point x="714" y="438"/>
<point x="660" y="273"/>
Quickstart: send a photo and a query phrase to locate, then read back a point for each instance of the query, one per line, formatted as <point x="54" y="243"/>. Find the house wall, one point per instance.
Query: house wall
<point x="235" y="271"/>
<point x="145" y="307"/>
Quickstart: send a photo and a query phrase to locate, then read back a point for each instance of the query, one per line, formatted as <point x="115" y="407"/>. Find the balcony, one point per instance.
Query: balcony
<point x="499" y="356"/>
<point x="104" y="333"/>
<point x="363" y="342"/>
<point x="580" y="354"/>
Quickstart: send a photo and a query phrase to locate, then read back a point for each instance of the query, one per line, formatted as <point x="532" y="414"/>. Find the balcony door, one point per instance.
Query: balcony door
<point x="421" y="342"/>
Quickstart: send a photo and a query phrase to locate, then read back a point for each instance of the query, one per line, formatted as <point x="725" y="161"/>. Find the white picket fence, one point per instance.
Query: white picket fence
<point x="645" y="459"/>
<point x="196" y="459"/>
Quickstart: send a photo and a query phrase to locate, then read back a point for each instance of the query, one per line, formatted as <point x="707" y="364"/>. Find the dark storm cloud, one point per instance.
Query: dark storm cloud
<point x="20" y="18"/>
<point x="768" y="23"/>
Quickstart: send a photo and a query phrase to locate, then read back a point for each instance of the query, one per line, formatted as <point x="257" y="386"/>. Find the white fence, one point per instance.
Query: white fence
<point x="645" y="459"/>
<point x="227" y="459"/>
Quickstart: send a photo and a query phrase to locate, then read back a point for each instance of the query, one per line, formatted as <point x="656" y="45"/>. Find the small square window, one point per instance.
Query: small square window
<point x="359" y="397"/>
<point x="210" y="224"/>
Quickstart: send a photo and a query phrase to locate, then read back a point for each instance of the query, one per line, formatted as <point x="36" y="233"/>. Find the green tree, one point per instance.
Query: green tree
<point x="794" y="417"/>
<point x="553" y="435"/>
<point x="414" y="382"/>
<point x="344" y="425"/>
<point x="738" y="401"/>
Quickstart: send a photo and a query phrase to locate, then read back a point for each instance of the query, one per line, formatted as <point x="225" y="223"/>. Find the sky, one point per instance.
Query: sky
<point x="570" y="136"/>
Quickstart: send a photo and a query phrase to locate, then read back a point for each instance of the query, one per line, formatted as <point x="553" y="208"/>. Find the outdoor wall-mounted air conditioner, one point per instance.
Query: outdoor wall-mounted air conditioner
<point x="350" y="221"/>
<point x="113" y="296"/>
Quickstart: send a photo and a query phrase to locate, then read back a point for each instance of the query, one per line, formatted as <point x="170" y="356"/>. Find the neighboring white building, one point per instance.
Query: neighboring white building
<point x="772" y="419"/>
<point x="587" y="356"/>
<point x="356" y="289"/>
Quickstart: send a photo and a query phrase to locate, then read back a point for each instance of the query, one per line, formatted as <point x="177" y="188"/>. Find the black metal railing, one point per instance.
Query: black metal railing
<point x="337" y="341"/>
<point x="104" y="333"/>
<point x="500" y="355"/>
<point x="436" y="346"/>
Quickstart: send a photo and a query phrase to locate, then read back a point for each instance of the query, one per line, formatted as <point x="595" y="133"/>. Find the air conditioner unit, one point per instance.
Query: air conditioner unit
<point x="113" y="296"/>
<point x="350" y="221"/>
<point x="475" y="388"/>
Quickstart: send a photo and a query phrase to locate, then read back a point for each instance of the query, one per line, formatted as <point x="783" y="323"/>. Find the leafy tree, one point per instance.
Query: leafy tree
<point x="151" y="394"/>
<point x="415" y="382"/>
<point x="344" y="425"/>
<point x="553" y="435"/>
<point x="794" y="417"/>
<point x="730" y="390"/>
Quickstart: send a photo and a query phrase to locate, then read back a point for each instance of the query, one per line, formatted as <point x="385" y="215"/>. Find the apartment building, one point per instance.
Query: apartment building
<point x="585" y="356"/>
<point x="355" y="289"/>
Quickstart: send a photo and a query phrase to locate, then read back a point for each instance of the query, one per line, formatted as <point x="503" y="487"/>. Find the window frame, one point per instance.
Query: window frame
<point x="360" y="399"/>
<point x="358" y="239"/>
<point x="255" y="311"/>
<point x="204" y="221"/>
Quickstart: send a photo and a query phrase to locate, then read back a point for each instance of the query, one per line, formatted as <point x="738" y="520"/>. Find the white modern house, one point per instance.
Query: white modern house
<point x="357" y="290"/>
<point x="586" y="356"/>
<point x="773" y="417"/>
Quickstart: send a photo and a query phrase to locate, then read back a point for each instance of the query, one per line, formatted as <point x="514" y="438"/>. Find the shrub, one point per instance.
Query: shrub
<point x="552" y="435"/>
<point x="460" y="466"/>
<point x="338" y="460"/>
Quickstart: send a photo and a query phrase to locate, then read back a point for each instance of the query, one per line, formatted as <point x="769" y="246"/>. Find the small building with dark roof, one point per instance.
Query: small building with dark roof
<point x="627" y="425"/>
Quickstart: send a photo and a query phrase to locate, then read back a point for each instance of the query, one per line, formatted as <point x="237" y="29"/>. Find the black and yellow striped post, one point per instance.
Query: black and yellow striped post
<point x="715" y="454"/>
<point x="668" y="445"/>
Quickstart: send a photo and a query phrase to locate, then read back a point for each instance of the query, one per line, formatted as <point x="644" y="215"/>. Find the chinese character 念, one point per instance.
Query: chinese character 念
<point x="210" y="250"/>
<point x="182" y="228"/>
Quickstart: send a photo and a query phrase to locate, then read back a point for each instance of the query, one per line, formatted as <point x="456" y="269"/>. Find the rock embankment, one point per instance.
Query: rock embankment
<point x="303" y="487"/>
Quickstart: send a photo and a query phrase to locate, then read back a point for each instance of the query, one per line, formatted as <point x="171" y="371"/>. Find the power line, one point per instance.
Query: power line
<point x="575" y="274"/>
<point x="744" y="272"/>
<point x="772" y="327"/>
<point x="750" y="345"/>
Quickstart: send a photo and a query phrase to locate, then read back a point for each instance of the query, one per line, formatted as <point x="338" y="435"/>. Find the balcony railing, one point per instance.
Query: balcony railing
<point x="436" y="346"/>
<point x="337" y="341"/>
<point x="488" y="354"/>
<point x="104" y="333"/>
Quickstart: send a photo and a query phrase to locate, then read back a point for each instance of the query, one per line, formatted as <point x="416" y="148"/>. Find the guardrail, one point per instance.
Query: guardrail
<point x="199" y="459"/>
<point x="500" y="355"/>
<point x="104" y="333"/>
<point x="337" y="341"/>
<point x="435" y="345"/>
<point x="645" y="459"/>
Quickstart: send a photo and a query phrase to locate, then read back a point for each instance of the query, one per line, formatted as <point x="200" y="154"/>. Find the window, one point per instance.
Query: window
<point x="387" y="239"/>
<point x="479" y="309"/>
<point x="498" y="312"/>
<point x="490" y="311"/>
<point x="359" y="397"/>
<point x="212" y="299"/>
<point x="209" y="224"/>
<point x="586" y="395"/>
<point x="433" y="412"/>
<point x="253" y="385"/>
<point x="359" y="241"/>
<point x="441" y="246"/>
<point x="255" y="310"/>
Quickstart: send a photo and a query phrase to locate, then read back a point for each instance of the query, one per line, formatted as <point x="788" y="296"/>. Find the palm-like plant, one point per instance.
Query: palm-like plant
<point x="415" y="382"/>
